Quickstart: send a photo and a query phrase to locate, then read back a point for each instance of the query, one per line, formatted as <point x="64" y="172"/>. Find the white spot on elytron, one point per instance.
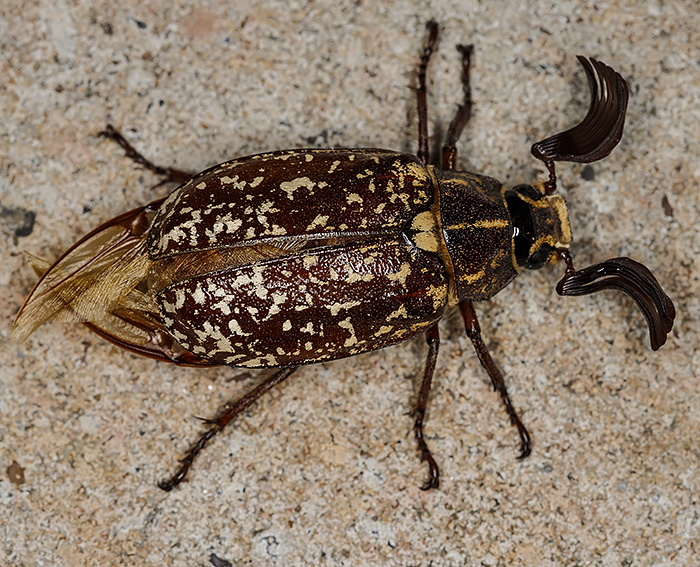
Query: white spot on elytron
<point x="335" y="164"/>
<point x="423" y="222"/>
<point x="379" y="208"/>
<point x="201" y="186"/>
<point x="383" y="330"/>
<point x="289" y="187"/>
<point x="354" y="198"/>
<point x="235" y="328"/>
<point x="198" y="295"/>
<point x="179" y="298"/>
<point x="179" y="337"/>
<point x="279" y="298"/>
<point x="336" y="307"/>
<point x="310" y="261"/>
<point x="402" y="274"/>
<point x="223" y="222"/>
<point x="309" y="157"/>
<point x="287" y="325"/>
<point x="224" y="345"/>
<point x="280" y="351"/>
<point x="223" y="306"/>
<point x="308" y="329"/>
<point x="400" y="312"/>
<point x="426" y="241"/>
<point x="438" y="294"/>
<point x="346" y="324"/>
<point x="320" y="220"/>
<point x="256" y="181"/>
<point x="263" y="361"/>
<point x="308" y="345"/>
<point x="353" y="276"/>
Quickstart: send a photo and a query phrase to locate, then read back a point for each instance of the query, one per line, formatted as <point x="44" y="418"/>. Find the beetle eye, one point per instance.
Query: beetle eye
<point x="534" y="217"/>
<point x="523" y="225"/>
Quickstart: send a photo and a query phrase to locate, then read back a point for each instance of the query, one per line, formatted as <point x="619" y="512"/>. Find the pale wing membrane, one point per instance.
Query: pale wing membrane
<point x="87" y="283"/>
<point x="173" y="269"/>
<point x="167" y="271"/>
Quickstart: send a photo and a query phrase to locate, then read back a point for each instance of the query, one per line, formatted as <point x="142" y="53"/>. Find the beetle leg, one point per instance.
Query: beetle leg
<point x="471" y="324"/>
<point x="433" y="340"/>
<point x="464" y="112"/>
<point x="170" y="174"/>
<point x="422" y="92"/>
<point x="222" y="421"/>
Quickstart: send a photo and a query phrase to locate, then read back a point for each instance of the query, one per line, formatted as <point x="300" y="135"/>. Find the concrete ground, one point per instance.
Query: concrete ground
<point x="324" y="471"/>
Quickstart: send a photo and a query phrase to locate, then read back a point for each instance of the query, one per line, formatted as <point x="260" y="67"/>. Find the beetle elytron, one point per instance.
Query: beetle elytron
<point x="294" y="257"/>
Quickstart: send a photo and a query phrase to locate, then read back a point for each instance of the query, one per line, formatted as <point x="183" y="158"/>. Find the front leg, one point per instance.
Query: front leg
<point x="471" y="324"/>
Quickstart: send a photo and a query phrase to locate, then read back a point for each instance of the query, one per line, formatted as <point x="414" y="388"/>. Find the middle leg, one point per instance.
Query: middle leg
<point x="471" y="324"/>
<point x="433" y="339"/>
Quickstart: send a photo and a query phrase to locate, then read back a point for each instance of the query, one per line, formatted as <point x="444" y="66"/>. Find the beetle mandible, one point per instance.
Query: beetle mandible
<point x="288" y="258"/>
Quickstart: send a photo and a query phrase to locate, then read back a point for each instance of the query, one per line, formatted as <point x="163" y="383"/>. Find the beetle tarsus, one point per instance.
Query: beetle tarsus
<point x="226" y="417"/>
<point x="471" y="324"/>
<point x="433" y="480"/>
<point x="170" y="174"/>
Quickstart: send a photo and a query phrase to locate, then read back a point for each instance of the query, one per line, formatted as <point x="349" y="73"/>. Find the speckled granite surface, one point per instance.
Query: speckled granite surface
<point x="324" y="471"/>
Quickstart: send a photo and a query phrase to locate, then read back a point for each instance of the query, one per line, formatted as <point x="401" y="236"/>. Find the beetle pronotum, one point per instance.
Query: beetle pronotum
<point x="294" y="257"/>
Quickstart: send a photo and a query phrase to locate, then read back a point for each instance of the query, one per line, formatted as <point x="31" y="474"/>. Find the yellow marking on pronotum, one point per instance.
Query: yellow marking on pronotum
<point x="498" y="223"/>
<point x="471" y="278"/>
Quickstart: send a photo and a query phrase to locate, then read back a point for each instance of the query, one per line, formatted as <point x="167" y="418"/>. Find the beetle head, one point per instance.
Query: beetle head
<point x="540" y="226"/>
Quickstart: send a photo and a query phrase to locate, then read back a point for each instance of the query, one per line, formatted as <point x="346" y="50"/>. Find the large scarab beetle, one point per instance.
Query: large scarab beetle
<point x="294" y="257"/>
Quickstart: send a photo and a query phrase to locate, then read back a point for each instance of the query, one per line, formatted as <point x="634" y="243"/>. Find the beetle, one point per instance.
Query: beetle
<point x="293" y="257"/>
